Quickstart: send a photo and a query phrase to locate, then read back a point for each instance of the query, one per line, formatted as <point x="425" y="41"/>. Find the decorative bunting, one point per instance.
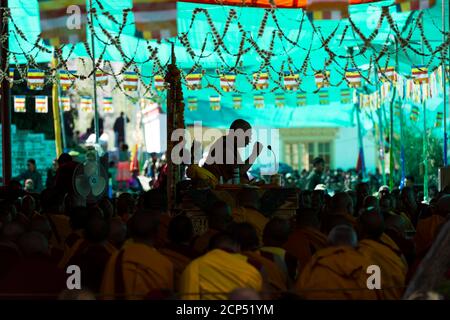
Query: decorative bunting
<point x="11" y="77"/>
<point x="86" y="104"/>
<point x="346" y="96"/>
<point x="353" y="77"/>
<point x="291" y="81"/>
<point x="419" y="74"/>
<point x="214" y="103"/>
<point x="323" y="97"/>
<point x="227" y="82"/>
<point x="35" y="79"/>
<point x="439" y="118"/>
<point x="279" y="100"/>
<point x="387" y="74"/>
<point x="194" y="81"/>
<point x="414" y="113"/>
<point x="192" y="103"/>
<point x="322" y="79"/>
<point x="102" y="78"/>
<point x="19" y="104"/>
<point x="327" y="9"/>
<point x="64" y="101"/>
<point x="66" y="79"/>
<point x="159" y="83"/>
<point x="108" y="105"/>
<point x="258" y="101"/>
<point x="237" y="101"/>
<point x="41" y="104"/>
<point x="411" y="5"/>
<point x="130" y="81"/>
<point x="261" y="80"/>
<point x="301" y="99"/>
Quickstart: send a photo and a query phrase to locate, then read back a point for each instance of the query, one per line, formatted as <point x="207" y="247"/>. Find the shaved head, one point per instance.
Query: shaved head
<point x="276" y="232"/>
<point x="371" y="223"/>
<point x="343" y="235"/>
<point x="32" y="243"/>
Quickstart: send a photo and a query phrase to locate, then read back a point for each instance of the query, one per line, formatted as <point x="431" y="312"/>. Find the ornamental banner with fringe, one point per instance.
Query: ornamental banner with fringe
<point x="261" y="80"/>
<point x="237" y="102"/>
<point x="108" y="105"/>
<point x="19" y="104"/>
<point x="41" y="104"/>
<point x="291" y="81"/>
<point x="353" y="77"/>
<point x="419" y="74"/>
<point x="301" y="99"/>
<point x="258" y="101"/>
<point x="322" y="79"/>
<point x="327" y="9"/>
<point x="346" y="96"/>
<point x="130" y="81"/>
<point x="279" y="100"/>
<point x="159" y="83"/>
<point x="214" y="103"/>
<point x="192" y="103"/>
<point x="64" y="101"/>
<point x="35" y="79"/>
<point x="66" y="79"/>
<point x="102" y="78"/>
<point x="324" y="97"/>
<point x="387" y="74"/>
<point x="194" y="81"/>
<point x="86" y="104"/>
<point x="228" y="82"/>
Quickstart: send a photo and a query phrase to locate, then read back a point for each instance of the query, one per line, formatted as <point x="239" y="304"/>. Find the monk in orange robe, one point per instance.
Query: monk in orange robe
<point x="220" y="271"/>
<point x="138" y="270"/>
<point x="339" y="212"/>
<point x="276" y="281"/>
<point x="219" y="217"/>
<point x="382" y="251"/>
<point x="306" y="238"/>
<point x="337" y="272"/>
<point x="178" y="249"/>
<point x="247" y="211"/>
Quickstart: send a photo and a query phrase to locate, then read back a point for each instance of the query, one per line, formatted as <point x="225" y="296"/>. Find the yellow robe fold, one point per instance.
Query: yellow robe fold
<point x="179" y="261"/>
<point x="387" y="256"/>
<point x="252" y="216"/>
<point x="202" y="242"/>
<point x="135" y="272"/>
<point x="426" y="231"/>
<point x="335" y="273"/>
<point x="217" y="273"/>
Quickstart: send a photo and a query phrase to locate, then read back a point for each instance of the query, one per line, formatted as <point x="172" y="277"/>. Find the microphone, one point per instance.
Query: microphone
<point x="275" y="158"/>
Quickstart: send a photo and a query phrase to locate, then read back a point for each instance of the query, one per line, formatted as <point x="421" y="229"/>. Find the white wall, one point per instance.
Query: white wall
<point x="346" y="149"/>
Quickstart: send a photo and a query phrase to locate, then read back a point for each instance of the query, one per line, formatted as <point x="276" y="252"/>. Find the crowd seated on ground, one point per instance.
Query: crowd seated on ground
<point x="132" y="247"/>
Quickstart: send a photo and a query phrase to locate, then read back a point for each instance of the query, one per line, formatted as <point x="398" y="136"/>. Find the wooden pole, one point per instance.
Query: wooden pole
<point x="94" y="65"/>
<point x="5" y="98"/>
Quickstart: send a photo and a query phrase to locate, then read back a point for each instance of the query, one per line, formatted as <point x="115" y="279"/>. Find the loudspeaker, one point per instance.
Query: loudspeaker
<point x="444" y="177"/>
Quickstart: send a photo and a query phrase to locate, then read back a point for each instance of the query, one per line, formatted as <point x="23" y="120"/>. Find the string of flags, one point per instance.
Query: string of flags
<point x="35" y="79"/>
<point x="101" y="78"/>
<point x="387" y="74"/>
<point x="279" y="100"/>
<point x="237" y="102"/>
<point x="130" y="81"/>
<point x="159" y="83"/>
<point x="353" y="78"/>
<point x="258" y="101"/>
<point x="41" y="104"/>
<point x="291" y="81"/>
<point x="194" y="81"/>
<point x="301" y="99"/>
<point x="346" y="96"/>
<point x="192" y="103"/>
<point x="19" y="104"/>
<point x="64" y="101"/>
<point x="86" y="104"/>
<point x="228" y="82"/>
<point x="322" y="79"/>
<point x="214" y="102"/>
<point x="108" y="105"/>
<point x="66" y="79"/>
<point x="261" y="80"/>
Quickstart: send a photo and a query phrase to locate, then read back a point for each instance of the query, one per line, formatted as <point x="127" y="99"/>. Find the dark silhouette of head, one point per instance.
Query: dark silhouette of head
<point x="245" y="234"/>
<point x="276" y="232"/>
<point x="180" y="230"/>
<point x="144" y="226"/>
<point x="371" y="223"/>
<point x="219" y="216"/>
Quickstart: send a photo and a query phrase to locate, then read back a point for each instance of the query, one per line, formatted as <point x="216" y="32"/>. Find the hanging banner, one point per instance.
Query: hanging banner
<point x="41" y="104"/>
<point x="324" y="97"/>
<point x="228" y="82"/>
<point x="301" y="99"/>
<point x="66" y="79"/>
<point x="19" y="104"/>
<point x="353" y="77"/>
<point x="155" y="20"/>
<point x="385" y="91"/>
<point x="419" y="74"/>
<point x="387" y="74"/>
<point x="261" y="80"/>
<point x="397" y="108"/>
<point x="108" y="105"/>
<point x="291" y="81"/>
<point x="102" y="78"/>
<point x="194" y="81"/>
<point x="410" y="5"/>
<point x="279" y="100"/>
<point x="11" y="77"/>
<point x="322" y="79"/>
<point x="415" y="111"/>
<point x="192" y="103"/>
<point x="64" y="101"/>
<point x="346" y="96"/>
<point x="214" y="103"/>
<point x="327" y="9"/>
<point x="258" y="101"/>
<point x="237" y="102"/>
<point x="86" y="104"/>
<point x="439" y="118"/>
<point x="159" y="83"/>
<point x="35" y="79"/>
<point x="130" y="81"/>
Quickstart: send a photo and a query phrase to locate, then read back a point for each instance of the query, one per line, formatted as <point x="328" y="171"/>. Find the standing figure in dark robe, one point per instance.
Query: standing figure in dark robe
<point x="119" y="129"/>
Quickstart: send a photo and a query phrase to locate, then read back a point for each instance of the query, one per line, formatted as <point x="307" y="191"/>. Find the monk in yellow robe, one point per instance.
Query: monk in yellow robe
<point x="247" y="210"/>
<point x="178" y="249"/>
<point x="382" y="251"/>
<point x="340" y="212"/>
<point x="220" y="271"/>
<point x="306" y="238"/>
<point x="219" y="217"/>
<point x="138" y="270"/>
<point x="337" y="272"/>
<point x="276" y="281"/>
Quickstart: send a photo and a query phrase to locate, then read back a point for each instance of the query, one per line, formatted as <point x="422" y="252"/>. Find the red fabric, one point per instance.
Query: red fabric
<point x="266" y="3"/>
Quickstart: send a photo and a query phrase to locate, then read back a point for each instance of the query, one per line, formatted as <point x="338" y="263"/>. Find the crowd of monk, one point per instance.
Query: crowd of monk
<point x="133" y="248"/>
